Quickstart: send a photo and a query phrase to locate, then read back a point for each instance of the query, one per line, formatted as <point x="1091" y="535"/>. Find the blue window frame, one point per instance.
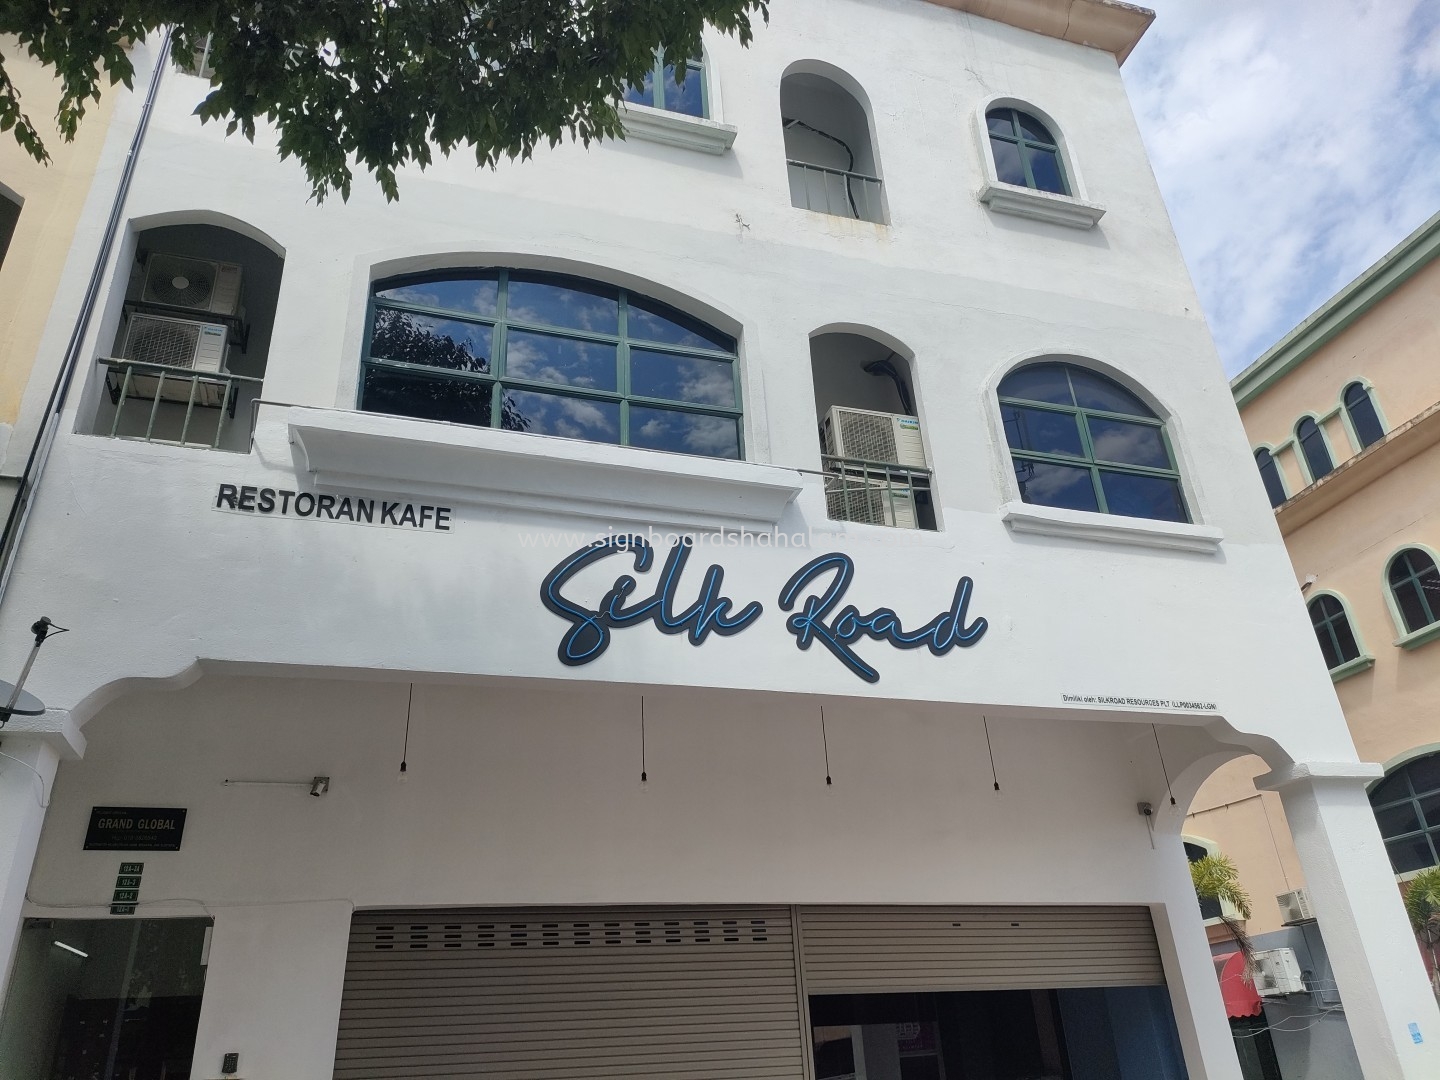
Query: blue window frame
<point x="1082" y="441"/>
<point x="551" y="355"/>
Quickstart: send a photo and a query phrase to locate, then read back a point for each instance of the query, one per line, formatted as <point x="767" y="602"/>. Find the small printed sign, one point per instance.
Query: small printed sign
<point x="127" y="889"/>
<point x="1415" y="1035"/>
<point x="132" y="868"/>
<point x="135" y="828"/>
<point x="122" y="909"/>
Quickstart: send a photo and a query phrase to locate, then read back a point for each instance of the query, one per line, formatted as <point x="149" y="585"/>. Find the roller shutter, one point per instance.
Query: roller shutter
<point x="555" y="995"/>
<point x="849" y="950"/>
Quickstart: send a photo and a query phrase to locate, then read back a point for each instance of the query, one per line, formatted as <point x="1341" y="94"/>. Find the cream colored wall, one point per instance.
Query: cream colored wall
<point x="1391" y="707"/>
<point x="53" y="197"/>
<point x="1394" y="346"/>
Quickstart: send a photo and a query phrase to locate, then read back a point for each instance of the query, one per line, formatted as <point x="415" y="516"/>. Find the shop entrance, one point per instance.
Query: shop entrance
<point x="104" y="999"/>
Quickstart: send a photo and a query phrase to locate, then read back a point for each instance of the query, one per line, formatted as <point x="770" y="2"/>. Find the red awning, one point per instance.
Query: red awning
<point x="1240" y="996"/>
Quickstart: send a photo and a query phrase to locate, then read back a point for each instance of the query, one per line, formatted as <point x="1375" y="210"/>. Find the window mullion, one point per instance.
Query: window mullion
<point x="622" y="360"/>
<point x="659" y="79"/>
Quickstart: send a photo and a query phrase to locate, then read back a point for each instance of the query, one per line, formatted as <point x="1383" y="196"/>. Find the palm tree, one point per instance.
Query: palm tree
<point x="1216" y="878"/>
<point x="1422" y="904"/>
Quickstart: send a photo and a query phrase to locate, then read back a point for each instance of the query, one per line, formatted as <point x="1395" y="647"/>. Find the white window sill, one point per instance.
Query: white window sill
<point x="368" y="452"/>
<point x="676" y="129"/>
<point x="1110" y="528"/>
<point x="1040" y="205"/>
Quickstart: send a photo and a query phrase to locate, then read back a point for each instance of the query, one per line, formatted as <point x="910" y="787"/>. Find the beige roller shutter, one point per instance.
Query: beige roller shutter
<point x="850" y="950"/>
<point x="545" y="994"/>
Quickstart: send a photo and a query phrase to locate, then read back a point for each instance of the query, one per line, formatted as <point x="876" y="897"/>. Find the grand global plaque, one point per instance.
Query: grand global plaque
<point x="135" y="828"/>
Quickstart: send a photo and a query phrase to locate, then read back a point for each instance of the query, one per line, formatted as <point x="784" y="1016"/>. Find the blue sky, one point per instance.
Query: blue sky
<point x="1295" y="143"/>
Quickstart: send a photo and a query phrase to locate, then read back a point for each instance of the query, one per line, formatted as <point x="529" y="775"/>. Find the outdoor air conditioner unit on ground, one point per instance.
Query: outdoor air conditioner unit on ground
<point x="885" y="438"/>
<point x="200" y="285"/>
<point x="870" y="502"/>
<point x="1277" y="972"/>
<point x="1295" y="907"/>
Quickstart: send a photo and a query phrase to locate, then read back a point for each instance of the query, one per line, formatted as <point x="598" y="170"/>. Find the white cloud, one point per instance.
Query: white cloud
<point x="1295" y="143"/>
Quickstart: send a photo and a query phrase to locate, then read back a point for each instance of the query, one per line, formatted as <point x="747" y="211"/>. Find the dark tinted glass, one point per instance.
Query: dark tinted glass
<point x="682" y="378"/>
<point x="1395" y="786"/>
<point x="1128" y="444"/>
<point x="685" y="97"/>
<point x="1042" y="430"/>
<point x="574" y="305"/>
<point x="684" y="433"/>
<point x="1363" y="417"/>
<point x="1425" y="774"/>
<point x="1033" y="129"/>
<point x="1413" y="853"/>
<point x="429" y="340"/>
<point x="1317" y="454"/>
<point x="644" y="94"/>
<point x="1398" y="820"/>
<point x="567" y="417"/>
<point x="1008" y="168"/>
<point x="1048" y="484"/>
<point x="1153" y="497"/>
<point x="1270" y="474"/>
<point x="1344" y="639"/>
<point x="547" y="358"/>
<point x="472" y="296"/>
<point x="1001" y="121"/>
<point x="1327" y="647"/>
<point x="1038" y="382"/>
<point x="1045" y="170"/>
<point x="460" y="401"/>
<point x="1416" y="585"/>
<point x="1194" y="852"/>
<point x="1094" y="391"/>
<point x="649" y="321"/>
<point x="1430" y="810"/>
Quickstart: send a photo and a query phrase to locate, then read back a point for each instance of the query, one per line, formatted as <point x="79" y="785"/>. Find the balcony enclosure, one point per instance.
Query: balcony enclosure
<point x="872" y="448"/>
<point x="188" y="357"/>
<point x="829" y="147"/>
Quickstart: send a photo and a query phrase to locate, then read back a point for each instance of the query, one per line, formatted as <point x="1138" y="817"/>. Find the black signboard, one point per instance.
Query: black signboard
<point x="135" y="828"/>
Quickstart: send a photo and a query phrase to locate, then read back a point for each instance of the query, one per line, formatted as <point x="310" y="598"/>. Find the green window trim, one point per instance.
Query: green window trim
<point x="1016" y="135"/>
<point x="1419" y="637"/>
<point x="502" y="326"/>
<point x="1334" y="629"/>
<point x="1083" y="418"/>
<point x="1363" y="662"/>
<point x="655" y="87"/>
<point x="1413" y="568"/>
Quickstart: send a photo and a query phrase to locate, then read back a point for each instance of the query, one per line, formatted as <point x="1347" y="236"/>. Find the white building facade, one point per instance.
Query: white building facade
<point x="882" y="774"/>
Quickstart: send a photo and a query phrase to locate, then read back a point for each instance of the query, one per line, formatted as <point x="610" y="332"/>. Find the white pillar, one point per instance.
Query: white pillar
<point x="1378" y="970"/>
<point x="272" y="990"/>
<point x="1200" y="1019"/>
<point x="27" y="776"/>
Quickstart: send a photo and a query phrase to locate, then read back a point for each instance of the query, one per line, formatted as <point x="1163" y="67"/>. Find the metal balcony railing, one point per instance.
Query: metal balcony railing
<point x="173" y="403"/>
<point x="835" y="191"/>
<point x="876" y="493"/>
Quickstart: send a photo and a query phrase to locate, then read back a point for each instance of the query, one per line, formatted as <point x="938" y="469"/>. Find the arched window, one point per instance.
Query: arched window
<point x="551" y="355"/>
<point x="1270" y="474"/>
<point x="1332" y="628"/>
<point x="1407" y="809"/>
<point x="1312" y="445"/>
<point x="1025" y="152"/>
<point x="1364" y="420"/>
<point x="1082" y="441"/>
<point x="829" y="152"/>
<point x="1415" y="584"/>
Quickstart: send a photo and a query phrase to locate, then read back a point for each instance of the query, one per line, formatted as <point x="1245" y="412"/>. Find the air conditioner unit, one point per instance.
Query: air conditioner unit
<point x="177" y="343"/>
<point x="1295" y="907"/>
<point x="870" y="502"/>
<point x="886" y="438"/>
<point x="194" y="284"/>
<point x="1277" y="972"/>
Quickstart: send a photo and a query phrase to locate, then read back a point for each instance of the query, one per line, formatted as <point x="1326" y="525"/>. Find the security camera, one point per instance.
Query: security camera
<point x="319" y="786"/>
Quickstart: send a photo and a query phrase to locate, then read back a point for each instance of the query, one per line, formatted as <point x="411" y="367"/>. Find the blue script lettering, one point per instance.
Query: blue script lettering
<point x="939" y="635"/>
<point x="589" y="634"/>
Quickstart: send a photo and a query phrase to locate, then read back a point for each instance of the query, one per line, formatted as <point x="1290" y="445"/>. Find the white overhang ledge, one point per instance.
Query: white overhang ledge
<point x="1110" y="528"/>
<point x="1310" y="771"/>
<point x="54" y="726"/>
<point x="676" y="129"/>
<point x="387" y="454"/>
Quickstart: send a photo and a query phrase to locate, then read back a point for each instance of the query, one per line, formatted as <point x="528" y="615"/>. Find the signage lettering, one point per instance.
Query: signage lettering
<point x="279" y="502"/>
<point x="820" y="617"/>
<point x="134" y="828"/>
